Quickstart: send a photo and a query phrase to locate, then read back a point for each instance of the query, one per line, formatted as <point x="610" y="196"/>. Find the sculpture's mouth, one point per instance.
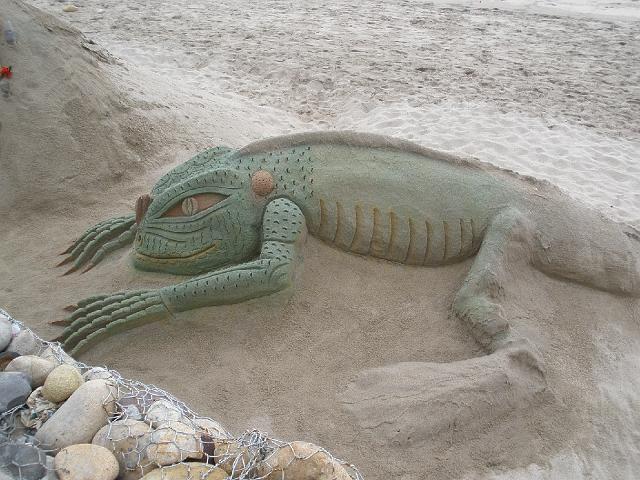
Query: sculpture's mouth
<point x="172" y="258"/>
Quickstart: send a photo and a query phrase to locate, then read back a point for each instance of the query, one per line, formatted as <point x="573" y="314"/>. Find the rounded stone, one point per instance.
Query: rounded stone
<point x="262" y="183"/>
<point x="15" y="388"/>
<point x="58" y="356"/>
<point x="230" y="456"/>
<point x="61" y="383"/>
<point x="162" y="411"/>
<point x="97" y="373"/>
<point x="6" y="358"/>
<point x="5" y="333"/>
<point x="174" y="442"/>
<point x="86" y="462"/>
<point x="128" y="440"/>
<point x="302" y="461"/>
<point x="211" y="428"/>
<point x="24" y="343"/>
<point x="186" y="471"/>
<point x="80" y="417"/>
<point x="69" y="8"/>
<point x="35" y="367"/>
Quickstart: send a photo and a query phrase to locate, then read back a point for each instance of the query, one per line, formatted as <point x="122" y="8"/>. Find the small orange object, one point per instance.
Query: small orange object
<point x="5" y="72"/>
<point x="262" y="183"/>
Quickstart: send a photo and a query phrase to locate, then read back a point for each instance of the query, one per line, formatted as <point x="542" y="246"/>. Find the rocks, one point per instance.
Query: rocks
<point x="86" y="462"/>
<point x="22" y="461"/>
<point x="5" y="333"/>
<point x="33" y="366"/>
<point x="6" y="358"/>
<point x="128" y="440"/>
<point x="24" y="343"/>
<point x="97" y="373"/>
<point x="302" y="461"/>
<point x="58" y="356"/>
<point x="15" y="387"/>
<point x="187" y="471"/>
<point x="70" y="8"/>
<point x="131" y="411"/>
<point x="61" y="383"/>
<point x="19" y="433"/>
<point x="39" y="411"/>
<point x="51" y="471"/>
<point x="80" y="417"/>
<point x="231" y="457"/>
<point x="211" y="428"/>
<point x="174" y="442"/>
<point x="163" y="411"/>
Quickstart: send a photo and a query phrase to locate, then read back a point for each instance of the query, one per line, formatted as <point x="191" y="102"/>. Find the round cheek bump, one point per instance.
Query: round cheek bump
<point x="262" y="183"/>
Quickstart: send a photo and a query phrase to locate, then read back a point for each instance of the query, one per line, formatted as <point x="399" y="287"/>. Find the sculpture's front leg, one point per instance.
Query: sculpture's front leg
<point x="283" y="231"/>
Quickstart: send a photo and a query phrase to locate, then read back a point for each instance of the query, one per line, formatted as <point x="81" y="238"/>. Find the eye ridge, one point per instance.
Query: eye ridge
<point x="190" y="206"/>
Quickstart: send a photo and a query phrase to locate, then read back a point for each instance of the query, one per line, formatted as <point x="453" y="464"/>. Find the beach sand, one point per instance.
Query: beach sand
<point x="85" y="133"/>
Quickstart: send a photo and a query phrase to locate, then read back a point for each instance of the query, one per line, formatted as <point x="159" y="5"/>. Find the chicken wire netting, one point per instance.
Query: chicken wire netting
<point x="153" y="434"/>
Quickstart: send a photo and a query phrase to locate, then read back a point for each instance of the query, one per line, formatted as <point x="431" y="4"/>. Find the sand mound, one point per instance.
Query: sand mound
<point x="66" y="132"/>
<point x="305" y="364"/>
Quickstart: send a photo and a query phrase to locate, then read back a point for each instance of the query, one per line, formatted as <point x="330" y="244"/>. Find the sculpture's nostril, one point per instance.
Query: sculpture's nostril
<point x="142" y="204"/>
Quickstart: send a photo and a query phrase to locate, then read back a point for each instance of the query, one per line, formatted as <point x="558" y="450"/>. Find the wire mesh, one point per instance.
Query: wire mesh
<point x="153" y="434"/>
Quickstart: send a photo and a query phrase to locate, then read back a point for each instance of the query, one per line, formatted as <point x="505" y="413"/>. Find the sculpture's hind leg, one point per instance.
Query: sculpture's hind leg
<point x="411" y="401"/>
<point x="510" y="234"/>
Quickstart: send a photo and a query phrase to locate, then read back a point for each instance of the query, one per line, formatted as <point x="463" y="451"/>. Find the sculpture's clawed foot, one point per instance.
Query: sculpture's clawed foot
<point x="98" y="241"/>
<point x="411" y="402"/>
<point x="61" y="323"/>
<point x="101" y="316"/>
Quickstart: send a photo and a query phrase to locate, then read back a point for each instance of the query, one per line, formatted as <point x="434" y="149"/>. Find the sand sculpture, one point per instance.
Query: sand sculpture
<point x="235" y="221"/>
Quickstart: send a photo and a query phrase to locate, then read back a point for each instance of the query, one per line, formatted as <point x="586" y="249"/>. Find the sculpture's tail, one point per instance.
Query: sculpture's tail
<point x="584" y="246"/>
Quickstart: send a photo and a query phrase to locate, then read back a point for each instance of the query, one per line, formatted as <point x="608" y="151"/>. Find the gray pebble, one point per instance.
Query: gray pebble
<point x="25" y="343"/>
<point x="23" y="461"/>
<point x="51" y="471"/>
<point x="97" y="373"/>
<point x="5" y="333"/>
<point x="15" y="387"/>
<point x="35" y="367"/>
<point x="58" y="356"/>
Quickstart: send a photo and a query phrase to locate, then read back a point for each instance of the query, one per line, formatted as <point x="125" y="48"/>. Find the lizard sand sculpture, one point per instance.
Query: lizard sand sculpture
<point x="236" y="219"/>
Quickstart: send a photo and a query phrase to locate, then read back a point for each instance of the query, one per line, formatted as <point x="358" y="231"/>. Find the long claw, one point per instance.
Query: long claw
<point x="89" y="267"/>
<point x="71" y="308"/>
<point x="71" y="270"/>
<point x="60" y="323"/>
<point x="68" y="250"/>
<point x="65" y="261"/>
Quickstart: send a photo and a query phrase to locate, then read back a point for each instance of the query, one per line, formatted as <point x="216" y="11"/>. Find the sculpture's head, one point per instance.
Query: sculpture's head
<point x="201" y="222"/>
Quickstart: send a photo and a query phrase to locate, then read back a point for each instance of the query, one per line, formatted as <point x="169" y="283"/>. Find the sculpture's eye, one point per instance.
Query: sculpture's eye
<point x="192" y="205"/>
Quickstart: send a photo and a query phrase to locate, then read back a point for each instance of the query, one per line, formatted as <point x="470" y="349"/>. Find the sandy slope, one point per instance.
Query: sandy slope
<point x="284" y="364"/>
